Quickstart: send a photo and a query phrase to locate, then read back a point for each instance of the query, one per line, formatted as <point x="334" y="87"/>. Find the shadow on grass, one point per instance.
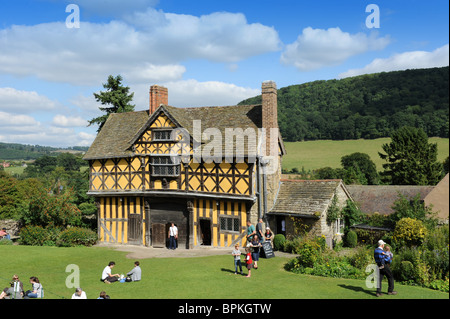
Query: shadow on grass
<point x="359" y="289"/>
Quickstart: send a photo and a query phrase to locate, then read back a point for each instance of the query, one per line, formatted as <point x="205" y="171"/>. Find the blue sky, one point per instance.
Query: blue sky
<point x="205" y="52"/>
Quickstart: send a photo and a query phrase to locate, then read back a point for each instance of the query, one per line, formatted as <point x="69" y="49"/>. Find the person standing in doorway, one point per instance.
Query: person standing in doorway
<point x="173" y="236"/>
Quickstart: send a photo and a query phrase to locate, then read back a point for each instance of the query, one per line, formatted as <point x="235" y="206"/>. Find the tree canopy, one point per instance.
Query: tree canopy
<point x="116" y="96"/>
<point x="367" y="106"/>
<point x="411" y="160"/>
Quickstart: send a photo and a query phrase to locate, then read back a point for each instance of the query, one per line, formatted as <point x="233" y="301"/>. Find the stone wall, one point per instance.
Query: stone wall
<point x="12" y="226"/>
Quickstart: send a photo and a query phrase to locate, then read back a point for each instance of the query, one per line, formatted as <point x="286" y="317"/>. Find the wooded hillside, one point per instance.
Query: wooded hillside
<point x="366" y="106"/>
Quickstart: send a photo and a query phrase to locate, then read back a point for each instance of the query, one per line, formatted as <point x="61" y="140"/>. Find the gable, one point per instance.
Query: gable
<point x="113" y="139"/>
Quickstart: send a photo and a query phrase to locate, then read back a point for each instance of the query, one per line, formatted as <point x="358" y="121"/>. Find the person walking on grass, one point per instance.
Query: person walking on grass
<point x="249" y="261"/>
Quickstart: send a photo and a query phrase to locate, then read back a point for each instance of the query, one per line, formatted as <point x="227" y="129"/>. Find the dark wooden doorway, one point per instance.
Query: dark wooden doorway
<point x="165" y="213"/>
<point x="135" y="229"/>
<point x="159" y="235"/>
<point x="205" y="232"/>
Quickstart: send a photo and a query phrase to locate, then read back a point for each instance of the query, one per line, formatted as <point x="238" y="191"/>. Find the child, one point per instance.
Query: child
<point x="249" y="261"/>
<point x="237" y="259"/>
<point x="388" y="254"/>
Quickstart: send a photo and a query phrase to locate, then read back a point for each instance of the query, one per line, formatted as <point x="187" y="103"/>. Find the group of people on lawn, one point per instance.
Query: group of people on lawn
<point x="16" y="291"/>
<point x="255" y="236"/>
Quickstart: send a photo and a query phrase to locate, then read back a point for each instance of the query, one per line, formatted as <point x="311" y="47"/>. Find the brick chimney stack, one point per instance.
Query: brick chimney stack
<point x="158" y="95"/>
<point x="269" y="110"/>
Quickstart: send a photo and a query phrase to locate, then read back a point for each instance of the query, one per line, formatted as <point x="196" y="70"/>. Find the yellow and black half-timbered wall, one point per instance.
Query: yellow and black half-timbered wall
<point x="142" y="183"/>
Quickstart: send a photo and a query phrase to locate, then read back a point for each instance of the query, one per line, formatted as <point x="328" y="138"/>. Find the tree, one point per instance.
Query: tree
<point x="117" y="96"/>
<point x="411" y="160"/>
<point x="361" y="167"/>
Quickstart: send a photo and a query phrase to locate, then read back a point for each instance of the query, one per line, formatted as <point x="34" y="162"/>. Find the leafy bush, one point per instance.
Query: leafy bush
<point x="405" y="271"/>
<point x="52" y="211"/>
<point x="278" y="241"/>
<point x="351" y="239"/>
<point x="361" y="257"/>
<point x="33" y="235"/>
<point x="75" y="236"/>
<point x="409" y="232"/>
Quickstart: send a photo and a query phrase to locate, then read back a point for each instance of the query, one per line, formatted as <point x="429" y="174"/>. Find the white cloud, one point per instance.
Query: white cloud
<point x="140" y="48"/>
<point x="403" y="61"/>
<point x="60" y="120"/>
<point x="19" y="101"/>
<point x="16" y="122"/>
<point x="192" y="93"/>
<point x="112" y="7"/>
<point x="317" y="48"/>
<point x="150" y="73"/>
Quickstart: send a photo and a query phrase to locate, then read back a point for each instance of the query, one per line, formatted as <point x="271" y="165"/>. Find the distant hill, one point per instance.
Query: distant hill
<point x="13" y="151"/>
<point x="366" y="106"/>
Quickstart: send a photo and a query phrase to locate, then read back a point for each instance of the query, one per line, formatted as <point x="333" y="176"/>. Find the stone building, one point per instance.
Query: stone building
<point x="310" y="202"/>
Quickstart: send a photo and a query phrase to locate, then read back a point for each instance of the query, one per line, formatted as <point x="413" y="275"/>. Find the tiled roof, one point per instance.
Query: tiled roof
<point x="121" y="129"/>
<point x="380" y="198"/>
<point x="113" y="139"/>
<point x="306" y="198"/>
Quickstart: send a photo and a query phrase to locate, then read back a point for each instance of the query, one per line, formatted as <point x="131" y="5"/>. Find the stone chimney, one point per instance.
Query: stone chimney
<point x="158" y="95"/>
<point x="269" y="110"/>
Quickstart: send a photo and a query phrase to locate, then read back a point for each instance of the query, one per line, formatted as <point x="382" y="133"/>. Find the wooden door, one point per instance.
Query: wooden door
<point x="135" y="229"/>
<point x="159" y="235"/>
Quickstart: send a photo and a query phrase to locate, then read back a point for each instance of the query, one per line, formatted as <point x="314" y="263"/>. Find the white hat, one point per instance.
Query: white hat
<point x="380" y="242"/>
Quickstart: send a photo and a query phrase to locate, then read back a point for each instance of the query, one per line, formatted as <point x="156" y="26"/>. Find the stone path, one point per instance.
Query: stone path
<point x="141" y="252"/>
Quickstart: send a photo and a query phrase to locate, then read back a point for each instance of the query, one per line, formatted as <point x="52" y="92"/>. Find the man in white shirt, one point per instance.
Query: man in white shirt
<point x="173" y="236"/>
<point x="106" y="274"/>
<point x="79" y="294"/>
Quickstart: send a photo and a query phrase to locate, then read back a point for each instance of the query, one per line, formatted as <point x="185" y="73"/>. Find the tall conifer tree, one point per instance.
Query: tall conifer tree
<point x="116" y="96"/>
<point x="411" y="160"/>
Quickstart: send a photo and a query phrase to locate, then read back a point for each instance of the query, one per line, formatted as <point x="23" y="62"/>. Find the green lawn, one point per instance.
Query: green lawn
<point x="323" y="153"/>
<point x="185" y="278"/>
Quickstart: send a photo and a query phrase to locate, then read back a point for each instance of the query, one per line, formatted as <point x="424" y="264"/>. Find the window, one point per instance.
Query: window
<point x="229" y="224"/>
<point x="165" y="165"/>
<point x="338" y="226"/>
<point x="159" y="135"/>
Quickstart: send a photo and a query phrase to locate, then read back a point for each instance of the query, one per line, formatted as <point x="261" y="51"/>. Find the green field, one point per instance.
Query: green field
<point x="322" y="153"/>
<point x="180" y="278"/>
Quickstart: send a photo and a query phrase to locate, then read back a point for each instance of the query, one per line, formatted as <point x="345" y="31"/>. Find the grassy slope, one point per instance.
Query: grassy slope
<point x="323" y="153"/>
<point x="185" y="278"/>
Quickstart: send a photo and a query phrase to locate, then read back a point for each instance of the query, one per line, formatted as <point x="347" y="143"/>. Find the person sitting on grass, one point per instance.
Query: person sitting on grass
<point x="135" y="273"/>
<point x="107" y="277"/>
<point x="37" y="289"/>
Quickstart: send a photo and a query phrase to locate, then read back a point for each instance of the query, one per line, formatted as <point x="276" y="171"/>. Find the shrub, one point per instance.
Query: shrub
<point x="361" y="258"/>
<point x="405" y="271"/>
<point x="351" y="239"/>
<point x="307" y="254"/>
<point x="409" y="232"/>
<point x="278" y="242"/>
<point x="75" y="236"/>
<point x="33" y="235"/>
